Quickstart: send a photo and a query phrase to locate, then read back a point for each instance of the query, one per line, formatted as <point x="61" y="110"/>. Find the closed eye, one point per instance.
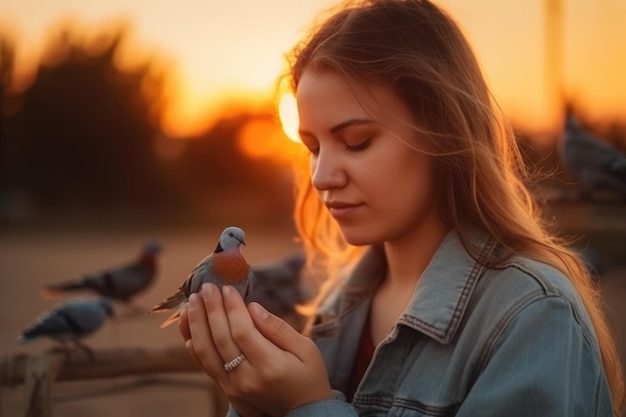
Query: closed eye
<point x="359" y="146"/>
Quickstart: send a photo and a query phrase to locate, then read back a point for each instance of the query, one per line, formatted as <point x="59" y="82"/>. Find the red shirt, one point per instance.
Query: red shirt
<point x="362" y="359"/>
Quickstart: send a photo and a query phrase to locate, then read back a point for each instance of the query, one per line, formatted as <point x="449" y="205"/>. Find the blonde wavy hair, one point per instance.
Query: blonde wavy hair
<point x="415" y="48"/>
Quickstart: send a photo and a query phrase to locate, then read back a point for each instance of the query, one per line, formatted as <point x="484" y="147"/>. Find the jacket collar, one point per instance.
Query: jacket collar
<point x="442" y="293"/>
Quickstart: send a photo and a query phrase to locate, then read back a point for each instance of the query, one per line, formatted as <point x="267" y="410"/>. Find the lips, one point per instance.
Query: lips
<point x="341" y="210"/>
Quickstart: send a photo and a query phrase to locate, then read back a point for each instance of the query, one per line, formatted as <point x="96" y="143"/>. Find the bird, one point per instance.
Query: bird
<point x="69" y="322"/>
<point x="278" y="284"/>
<point x="594" y="162"/>
<point x="120" y="283"/>
<point x="225" y="266"/>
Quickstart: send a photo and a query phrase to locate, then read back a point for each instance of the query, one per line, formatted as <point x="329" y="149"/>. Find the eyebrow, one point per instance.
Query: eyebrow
<point x="339" y="127"/>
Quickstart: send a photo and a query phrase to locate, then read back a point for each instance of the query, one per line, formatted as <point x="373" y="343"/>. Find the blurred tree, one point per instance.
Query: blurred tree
<point x="213" y="177"/>
<point x="87" y="126"/>
<point x="7" y="57"/>
<point x="88" y="137"/>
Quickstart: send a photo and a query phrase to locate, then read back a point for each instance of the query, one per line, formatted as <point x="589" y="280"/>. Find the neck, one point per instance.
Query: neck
<point x="409" y="255"/>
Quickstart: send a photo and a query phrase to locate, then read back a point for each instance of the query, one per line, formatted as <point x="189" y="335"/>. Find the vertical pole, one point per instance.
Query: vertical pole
<point x="554" y="18"/>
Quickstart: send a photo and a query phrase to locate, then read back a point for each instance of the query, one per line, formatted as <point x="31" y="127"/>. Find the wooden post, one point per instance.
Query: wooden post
<point x="39" y="375"/>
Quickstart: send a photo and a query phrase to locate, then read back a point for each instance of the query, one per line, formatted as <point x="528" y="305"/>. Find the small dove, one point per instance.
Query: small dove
<point x="69" y="322"/>
<point x="121" y="283"/>
<point x="594" y="162"/>
<point x="225" y="266"/>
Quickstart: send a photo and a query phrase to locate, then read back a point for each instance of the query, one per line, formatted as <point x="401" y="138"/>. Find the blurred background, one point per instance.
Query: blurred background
<point x="122" y="121"/>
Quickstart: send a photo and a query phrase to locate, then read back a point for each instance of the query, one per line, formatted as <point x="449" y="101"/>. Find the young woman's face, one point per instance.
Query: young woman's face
<point x="376" y="187"/>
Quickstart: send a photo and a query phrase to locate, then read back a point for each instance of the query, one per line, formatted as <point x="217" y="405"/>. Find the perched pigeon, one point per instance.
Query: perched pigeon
<point x="277" y="285"/>
<point x="69" y="322"/>
<point x="121" y="283"/>
<point x="594" y="162"/>
<point x="225" y="266"/>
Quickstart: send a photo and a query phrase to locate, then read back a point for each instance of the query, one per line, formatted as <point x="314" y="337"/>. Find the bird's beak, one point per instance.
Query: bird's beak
<point x="243" y="242"/>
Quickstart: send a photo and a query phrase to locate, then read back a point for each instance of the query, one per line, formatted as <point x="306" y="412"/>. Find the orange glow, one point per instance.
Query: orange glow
<point x="530" y="65"/>
<point x="288" y="112"/>
<point x="181" y="120"/>
<point x="263" y="138"/>
<point x="187" y="115"/>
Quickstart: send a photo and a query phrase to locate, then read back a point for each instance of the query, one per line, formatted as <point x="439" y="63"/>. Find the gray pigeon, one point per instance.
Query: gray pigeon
<point x="277" y="285"/>
<point x="594" y="162"/>
<point x="225" y="266"/>
<point x="69" y="322"/>
<point x="121" y="283"/>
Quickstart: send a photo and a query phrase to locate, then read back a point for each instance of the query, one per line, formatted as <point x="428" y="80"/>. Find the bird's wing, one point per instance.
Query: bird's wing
<point x="102" y="282"/>
<point x="72" y="318"/>
<point x="171" y="319"/>
<point x="192" y="284"/>
<point x="171" y="302"/>
<point x="88" y="314"/>
<point x="127" y="281"/>
<point x="201" y="274"/>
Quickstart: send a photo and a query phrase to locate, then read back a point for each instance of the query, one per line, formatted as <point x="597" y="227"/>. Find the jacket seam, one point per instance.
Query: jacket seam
<point x="506" y="320"/>
<point x="430" y="410"/>
<point x="501" y="326"/>
<point x="550" y="291"/>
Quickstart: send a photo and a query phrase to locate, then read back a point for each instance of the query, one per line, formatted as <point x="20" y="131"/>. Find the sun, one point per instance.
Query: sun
<point x="288" y="113"/>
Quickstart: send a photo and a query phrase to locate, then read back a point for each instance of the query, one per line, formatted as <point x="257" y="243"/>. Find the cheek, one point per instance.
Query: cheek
<point x="413" y="185"/>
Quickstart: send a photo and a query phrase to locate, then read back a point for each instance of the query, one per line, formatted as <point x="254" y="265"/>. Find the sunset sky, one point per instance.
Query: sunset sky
<point x="232" y="51"/>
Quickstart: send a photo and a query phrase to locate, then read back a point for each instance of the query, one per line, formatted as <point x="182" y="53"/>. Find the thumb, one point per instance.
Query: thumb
<point x="280" y="332"/>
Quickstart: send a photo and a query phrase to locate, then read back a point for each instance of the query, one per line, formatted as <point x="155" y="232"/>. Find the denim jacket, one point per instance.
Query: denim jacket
<point x="473" y="341"/>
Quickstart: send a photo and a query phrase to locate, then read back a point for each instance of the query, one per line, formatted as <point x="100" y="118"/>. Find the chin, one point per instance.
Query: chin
<point x="358" y="236"/>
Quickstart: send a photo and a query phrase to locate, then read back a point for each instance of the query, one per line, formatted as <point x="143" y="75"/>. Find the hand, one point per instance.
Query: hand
<point x="242" y="407"/>
<point x="283" y="369"/>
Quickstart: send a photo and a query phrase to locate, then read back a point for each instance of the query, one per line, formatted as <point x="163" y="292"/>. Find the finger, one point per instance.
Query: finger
<point x="255" y="346"/>
<point x="192" y="352"/>
<point x="280" y="333"/>
<point x="183" y="324"/>
<point x="200" y="345"/>
<point x="218" y="323"/>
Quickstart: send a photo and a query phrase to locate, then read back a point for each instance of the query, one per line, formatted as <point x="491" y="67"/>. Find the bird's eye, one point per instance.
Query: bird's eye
<point x="231" y="234"/>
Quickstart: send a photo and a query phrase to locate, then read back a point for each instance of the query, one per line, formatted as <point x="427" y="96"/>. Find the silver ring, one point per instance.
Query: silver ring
<point x="230" y="365"/>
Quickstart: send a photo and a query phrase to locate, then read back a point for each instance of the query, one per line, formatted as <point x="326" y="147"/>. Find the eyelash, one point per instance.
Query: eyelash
<point x="350" y="148"/>
<point x="359" y="147"/>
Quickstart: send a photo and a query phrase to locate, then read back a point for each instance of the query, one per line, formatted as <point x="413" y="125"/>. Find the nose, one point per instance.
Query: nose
<point x="327" y="171"/>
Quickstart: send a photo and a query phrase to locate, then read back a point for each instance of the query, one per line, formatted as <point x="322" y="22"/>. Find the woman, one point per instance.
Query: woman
<point x="446" y="294"/>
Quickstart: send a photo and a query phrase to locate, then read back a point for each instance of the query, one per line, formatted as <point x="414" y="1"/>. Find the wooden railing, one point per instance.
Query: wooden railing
<point x="40" y="373"/>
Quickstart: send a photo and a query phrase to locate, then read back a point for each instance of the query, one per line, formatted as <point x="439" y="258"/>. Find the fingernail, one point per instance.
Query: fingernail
<point x="193" y="300"/>
<point x="259" y="311"/>
<point x="226" y="290"/>
<point x="206" y="291"/>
